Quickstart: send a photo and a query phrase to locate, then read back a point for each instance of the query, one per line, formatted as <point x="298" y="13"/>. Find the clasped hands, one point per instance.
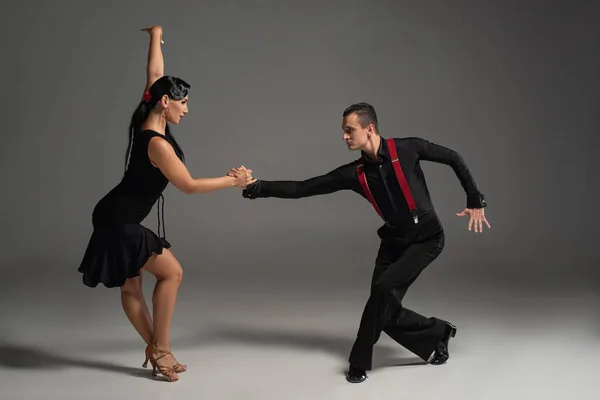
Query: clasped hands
<point x="242" y="175"/>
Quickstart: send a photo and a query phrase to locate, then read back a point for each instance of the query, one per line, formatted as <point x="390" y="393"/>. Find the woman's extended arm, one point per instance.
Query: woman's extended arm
<point x="162" y="155"/>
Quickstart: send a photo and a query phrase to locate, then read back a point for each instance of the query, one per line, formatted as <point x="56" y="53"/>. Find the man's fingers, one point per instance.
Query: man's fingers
<point x="476" y="220"/>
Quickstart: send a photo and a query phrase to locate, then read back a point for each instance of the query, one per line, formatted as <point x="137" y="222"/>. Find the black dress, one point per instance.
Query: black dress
<point x="120" y="245"/>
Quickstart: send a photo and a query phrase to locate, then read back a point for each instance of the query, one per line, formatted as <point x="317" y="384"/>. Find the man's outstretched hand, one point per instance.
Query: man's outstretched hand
<point x="476" y="218"/>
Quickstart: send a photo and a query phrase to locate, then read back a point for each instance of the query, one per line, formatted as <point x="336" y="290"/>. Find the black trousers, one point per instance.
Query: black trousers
<point x="400" y="260"/>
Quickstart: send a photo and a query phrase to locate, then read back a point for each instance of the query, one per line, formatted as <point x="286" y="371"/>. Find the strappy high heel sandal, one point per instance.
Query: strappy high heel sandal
<point x="178" y="368"/>
<point x="153" y="355"/>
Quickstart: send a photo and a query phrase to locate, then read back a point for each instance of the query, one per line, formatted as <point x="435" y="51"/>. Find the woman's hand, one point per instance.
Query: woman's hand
<point x="154" y="30"/>
<point x="235" y="172"/>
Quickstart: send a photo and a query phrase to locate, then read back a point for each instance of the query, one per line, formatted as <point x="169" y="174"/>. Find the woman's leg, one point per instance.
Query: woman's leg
<point x="136" y="309"/>
<point x="168" y="273"/>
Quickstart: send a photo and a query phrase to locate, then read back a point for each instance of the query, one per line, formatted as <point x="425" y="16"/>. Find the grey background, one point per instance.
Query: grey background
<point x="511" y="85"/>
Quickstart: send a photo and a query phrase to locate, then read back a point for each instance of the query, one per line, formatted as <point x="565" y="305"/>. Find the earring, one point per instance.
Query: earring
<point x="163" y="114"/>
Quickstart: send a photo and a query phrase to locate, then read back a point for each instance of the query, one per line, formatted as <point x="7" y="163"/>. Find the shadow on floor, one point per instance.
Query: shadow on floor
<point x="340" y="346"/>
<point x="27" y="357"/>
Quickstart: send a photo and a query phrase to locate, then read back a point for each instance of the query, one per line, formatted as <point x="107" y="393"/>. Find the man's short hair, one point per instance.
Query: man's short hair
<point x="365" y="112"/>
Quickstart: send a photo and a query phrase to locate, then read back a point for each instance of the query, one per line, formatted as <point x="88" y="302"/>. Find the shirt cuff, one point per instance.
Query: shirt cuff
<point x="476" y="200"/>
<point x="252" y="190"/>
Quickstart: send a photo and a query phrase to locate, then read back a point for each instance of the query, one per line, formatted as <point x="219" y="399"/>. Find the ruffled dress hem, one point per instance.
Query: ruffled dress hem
<point x="115" y="254"/>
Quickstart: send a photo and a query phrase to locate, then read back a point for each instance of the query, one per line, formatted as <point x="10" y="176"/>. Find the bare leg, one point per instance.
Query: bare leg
<point x="136" y="309"/>
<point x="168" y="273"/>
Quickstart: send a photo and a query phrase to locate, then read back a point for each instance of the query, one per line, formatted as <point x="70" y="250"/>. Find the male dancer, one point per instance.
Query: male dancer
<point x="388" y="174"/>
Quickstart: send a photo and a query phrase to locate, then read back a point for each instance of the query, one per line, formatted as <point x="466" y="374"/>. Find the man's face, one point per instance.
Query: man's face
<point x="355" y="136"/>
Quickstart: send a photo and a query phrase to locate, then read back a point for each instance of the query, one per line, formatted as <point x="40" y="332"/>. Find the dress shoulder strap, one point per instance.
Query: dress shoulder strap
<point x="149" y="134"/>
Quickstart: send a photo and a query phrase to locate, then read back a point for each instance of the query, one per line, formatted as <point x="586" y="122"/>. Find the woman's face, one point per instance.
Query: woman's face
<point x="177" y="109"/>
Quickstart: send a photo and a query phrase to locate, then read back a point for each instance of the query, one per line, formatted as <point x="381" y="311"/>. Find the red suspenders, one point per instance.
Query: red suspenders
<point x="360" y="169"/>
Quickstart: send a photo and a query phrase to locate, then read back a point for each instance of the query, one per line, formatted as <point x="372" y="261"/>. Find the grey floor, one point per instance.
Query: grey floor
<point x="286" y="335"/>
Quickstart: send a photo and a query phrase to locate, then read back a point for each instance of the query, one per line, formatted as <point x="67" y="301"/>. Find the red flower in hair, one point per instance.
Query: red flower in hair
<point x="147" y="97"/>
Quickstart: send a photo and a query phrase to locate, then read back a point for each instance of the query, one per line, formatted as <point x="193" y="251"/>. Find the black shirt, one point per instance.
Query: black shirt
<point x="381" y="180"/>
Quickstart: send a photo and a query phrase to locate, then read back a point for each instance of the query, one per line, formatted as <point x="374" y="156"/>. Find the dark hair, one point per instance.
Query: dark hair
<point x="365" y="112"/>
<point x="173" y="87"/>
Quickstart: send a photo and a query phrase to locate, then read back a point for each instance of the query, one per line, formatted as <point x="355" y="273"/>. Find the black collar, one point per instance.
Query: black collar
<point x="383" y="153"/>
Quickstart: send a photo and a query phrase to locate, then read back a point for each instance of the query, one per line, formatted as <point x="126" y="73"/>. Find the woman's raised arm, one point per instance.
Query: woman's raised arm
<point x="155" y="68"/>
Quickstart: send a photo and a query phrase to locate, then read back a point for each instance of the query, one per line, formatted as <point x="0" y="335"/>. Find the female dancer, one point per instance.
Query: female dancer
<point x="120" y="247"/>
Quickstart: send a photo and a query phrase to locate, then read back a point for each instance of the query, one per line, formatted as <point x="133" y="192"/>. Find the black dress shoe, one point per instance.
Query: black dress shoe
<point x="356" y="375"/>
<point x="441" y="353"/>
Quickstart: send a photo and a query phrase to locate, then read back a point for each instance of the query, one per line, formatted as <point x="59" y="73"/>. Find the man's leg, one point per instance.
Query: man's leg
<point x="418" y="334"/>
<point x="390" y="282"/>
<point x="421" y="335"/>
